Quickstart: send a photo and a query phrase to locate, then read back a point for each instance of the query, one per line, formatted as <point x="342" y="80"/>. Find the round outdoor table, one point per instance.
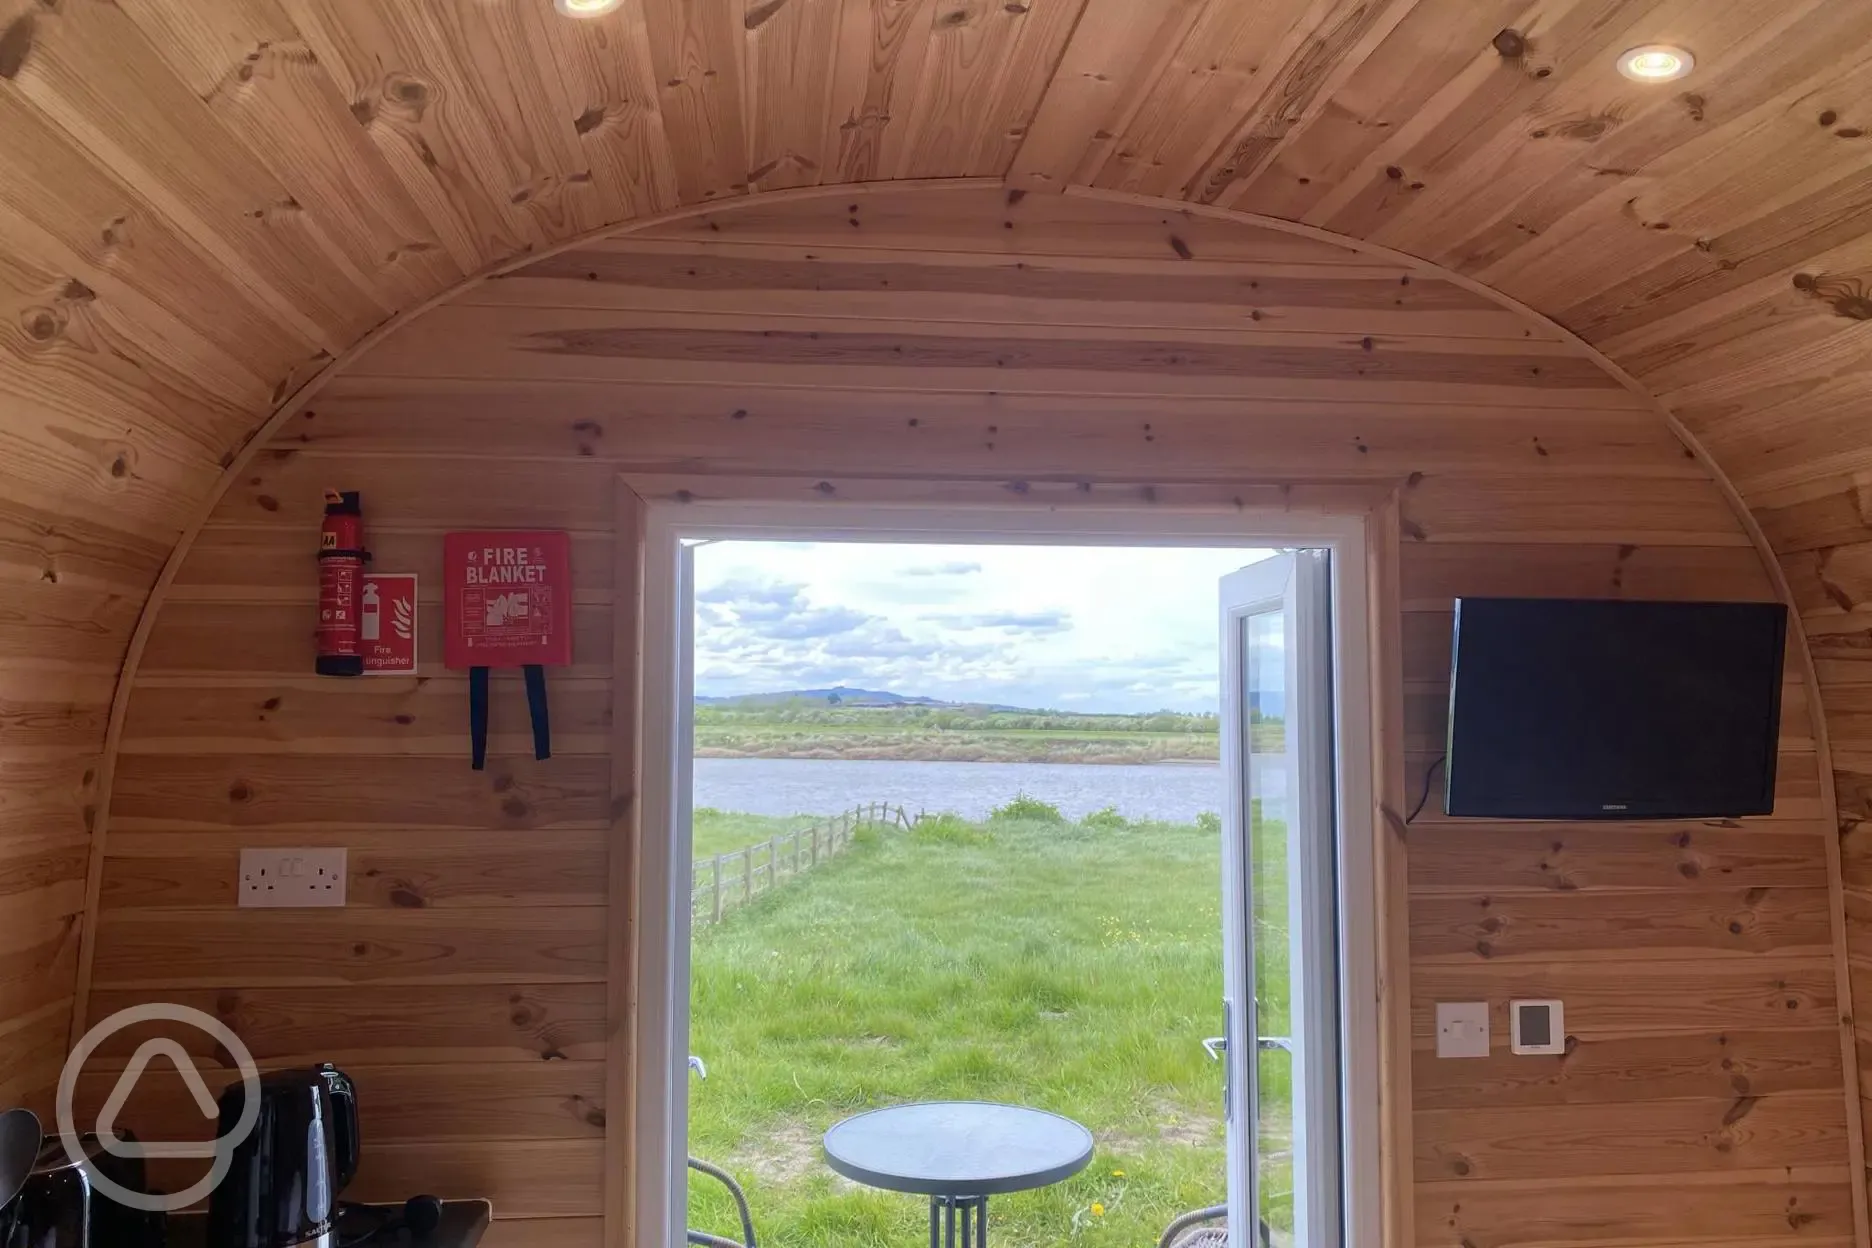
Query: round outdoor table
<point x="958" y="1153"/>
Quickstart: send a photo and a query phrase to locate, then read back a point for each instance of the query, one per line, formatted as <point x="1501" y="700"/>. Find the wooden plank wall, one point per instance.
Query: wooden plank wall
<point x="993" y="337"/>
<point x="1821" y="529"/>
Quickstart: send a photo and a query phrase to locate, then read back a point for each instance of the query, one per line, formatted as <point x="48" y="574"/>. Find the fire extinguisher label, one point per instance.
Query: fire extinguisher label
<point x="337" y="612"/>
<point x="387" y="623"/>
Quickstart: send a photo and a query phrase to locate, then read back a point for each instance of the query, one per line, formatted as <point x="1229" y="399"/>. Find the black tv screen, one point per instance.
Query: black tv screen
<point x="1591" y="709"/>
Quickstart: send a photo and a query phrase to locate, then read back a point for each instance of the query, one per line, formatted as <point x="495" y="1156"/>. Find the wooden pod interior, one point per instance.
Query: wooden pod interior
<point x="477" y="259"/>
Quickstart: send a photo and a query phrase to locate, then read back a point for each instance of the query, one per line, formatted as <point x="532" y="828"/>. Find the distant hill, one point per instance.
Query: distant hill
<point x="844" y="695"/>
<point x="1265" y="704"/>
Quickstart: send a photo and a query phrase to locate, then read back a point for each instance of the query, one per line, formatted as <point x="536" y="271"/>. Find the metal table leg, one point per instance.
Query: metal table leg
<point x="943" y="1222"/>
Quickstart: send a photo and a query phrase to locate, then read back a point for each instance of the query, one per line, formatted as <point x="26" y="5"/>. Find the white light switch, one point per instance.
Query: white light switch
<point x="313" y="876"/>
<point x="1462" y="1029"/>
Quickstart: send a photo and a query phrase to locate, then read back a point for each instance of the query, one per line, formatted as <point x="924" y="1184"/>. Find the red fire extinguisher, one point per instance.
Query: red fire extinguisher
<point x="341" y="580"/>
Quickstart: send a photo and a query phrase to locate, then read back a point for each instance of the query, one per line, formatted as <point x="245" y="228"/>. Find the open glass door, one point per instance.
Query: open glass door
<point x="1281" y="1043"/>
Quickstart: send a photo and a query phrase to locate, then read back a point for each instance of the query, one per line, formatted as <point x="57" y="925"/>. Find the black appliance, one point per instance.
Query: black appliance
<point x="57" y="1205"/>
<point x="1614" y="709"/>
<point x="281" y="1190"/>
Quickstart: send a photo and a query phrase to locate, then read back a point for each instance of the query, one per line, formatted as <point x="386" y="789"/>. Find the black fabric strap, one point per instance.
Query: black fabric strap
<point x="478" y="714"/>
<point x="536" y="707"/>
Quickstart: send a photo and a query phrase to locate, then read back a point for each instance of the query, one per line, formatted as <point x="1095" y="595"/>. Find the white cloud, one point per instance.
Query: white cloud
<point x="1096" y="628"/>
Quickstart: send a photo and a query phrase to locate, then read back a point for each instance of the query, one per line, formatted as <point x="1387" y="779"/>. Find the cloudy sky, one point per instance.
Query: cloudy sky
<point x="1072" y="628"/>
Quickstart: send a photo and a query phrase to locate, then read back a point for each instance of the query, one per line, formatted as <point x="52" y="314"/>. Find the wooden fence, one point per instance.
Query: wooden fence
<point x="732" y="879"/>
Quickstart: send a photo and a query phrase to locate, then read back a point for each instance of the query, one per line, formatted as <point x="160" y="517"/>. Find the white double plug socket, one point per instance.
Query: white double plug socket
<point x="292" y="878"/>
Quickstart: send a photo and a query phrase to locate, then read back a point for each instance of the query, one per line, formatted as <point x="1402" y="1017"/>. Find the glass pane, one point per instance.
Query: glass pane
<point x="1270" y="784"/>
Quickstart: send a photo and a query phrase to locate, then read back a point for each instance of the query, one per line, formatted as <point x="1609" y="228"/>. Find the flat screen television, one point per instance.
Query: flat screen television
<point x="1612" y="709"/>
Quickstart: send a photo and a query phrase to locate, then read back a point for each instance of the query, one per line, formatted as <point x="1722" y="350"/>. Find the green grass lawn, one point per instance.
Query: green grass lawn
<point x="1074" y="967"/>
<point x="725" y="831"/>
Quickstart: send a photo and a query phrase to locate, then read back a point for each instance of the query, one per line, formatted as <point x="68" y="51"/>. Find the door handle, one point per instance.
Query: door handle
<point x="1215" y="1046"/>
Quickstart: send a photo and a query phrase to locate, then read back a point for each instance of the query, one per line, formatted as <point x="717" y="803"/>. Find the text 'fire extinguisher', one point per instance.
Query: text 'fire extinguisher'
<point x="341" y="577"/>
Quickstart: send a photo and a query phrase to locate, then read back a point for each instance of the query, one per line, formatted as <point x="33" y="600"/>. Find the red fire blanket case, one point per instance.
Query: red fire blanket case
<point x="508" y="598"/>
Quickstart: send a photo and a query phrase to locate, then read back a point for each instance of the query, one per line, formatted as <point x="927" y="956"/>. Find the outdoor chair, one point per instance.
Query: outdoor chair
<point x="704" y="1238"/>
<point x="1190" y="1231"/>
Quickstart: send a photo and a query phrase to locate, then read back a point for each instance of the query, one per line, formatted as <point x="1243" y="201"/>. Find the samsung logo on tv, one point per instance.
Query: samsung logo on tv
<point x="1614" y="806"/>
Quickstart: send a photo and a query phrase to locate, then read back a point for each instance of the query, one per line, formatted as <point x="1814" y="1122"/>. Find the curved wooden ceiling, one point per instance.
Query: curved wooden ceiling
<point x="208" y="200"/>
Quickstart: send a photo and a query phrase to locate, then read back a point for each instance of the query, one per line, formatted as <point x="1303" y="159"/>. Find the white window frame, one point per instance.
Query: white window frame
<point x="661" y="1021"/>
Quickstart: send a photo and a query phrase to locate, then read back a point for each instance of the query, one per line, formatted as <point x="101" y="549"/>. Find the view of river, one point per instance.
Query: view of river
<point x="1174" y="792"/>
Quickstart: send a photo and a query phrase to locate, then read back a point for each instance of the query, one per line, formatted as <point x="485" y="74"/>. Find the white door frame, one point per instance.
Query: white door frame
<point x="661" y="1021"/>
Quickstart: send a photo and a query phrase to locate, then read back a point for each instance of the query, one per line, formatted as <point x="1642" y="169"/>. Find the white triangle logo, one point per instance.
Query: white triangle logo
<point x="178" y="1057"/>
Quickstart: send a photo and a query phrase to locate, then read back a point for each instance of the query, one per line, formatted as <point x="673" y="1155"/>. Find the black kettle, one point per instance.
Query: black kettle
<point x="282" y="1186"/>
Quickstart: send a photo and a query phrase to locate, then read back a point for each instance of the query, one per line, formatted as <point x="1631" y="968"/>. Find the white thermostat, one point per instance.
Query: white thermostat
<point x="1536" y="1027"/>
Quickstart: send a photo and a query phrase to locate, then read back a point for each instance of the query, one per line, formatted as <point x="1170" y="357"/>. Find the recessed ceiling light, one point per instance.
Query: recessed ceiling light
<point x="586" y="8"/>
<point x="1656" y="62"/>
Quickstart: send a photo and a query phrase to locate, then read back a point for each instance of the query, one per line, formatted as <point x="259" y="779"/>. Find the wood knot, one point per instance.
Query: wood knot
<point x="760" y="14"/>
<point x="15" y="45"/>
<point x="120" y="466"/>
<point x="953" y="18"/>
<point x="406" y="897"/>
<point x="266" y="502"/>
<point x="589" y="120"/>
<point x="1509" y="44"/>
<point x="405" y="718"/>
<point x="271" y="704"/>
<point x="502" y="783"/>
<point x="239" y="792"/>
<point x="43" y="324"/>
<point x="825" y="488"/>
<point x="514" y="808"/>
<point x="1181" y="248"/>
